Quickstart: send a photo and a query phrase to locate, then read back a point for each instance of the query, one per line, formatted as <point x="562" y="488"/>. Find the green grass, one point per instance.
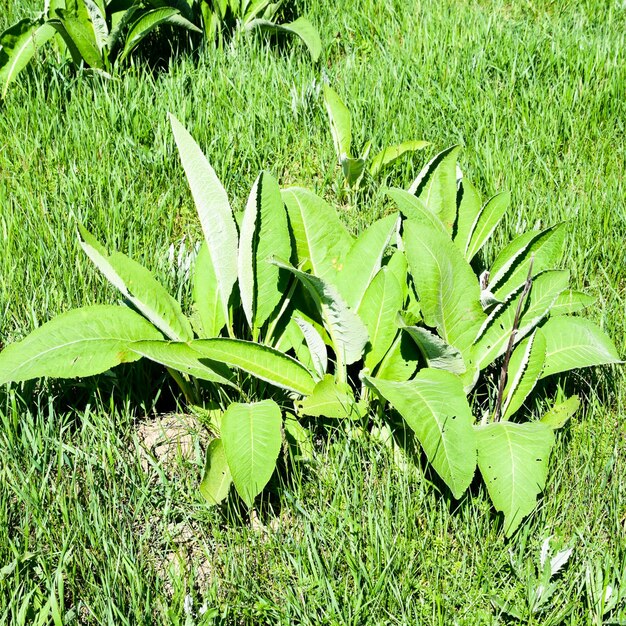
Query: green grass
<point x="536" y="94"/>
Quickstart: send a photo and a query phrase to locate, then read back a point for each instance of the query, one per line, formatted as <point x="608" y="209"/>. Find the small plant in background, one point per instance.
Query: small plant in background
<point x="102" y="34"/>
<point x="294" y="317"/>
<point x="354" y="168"/>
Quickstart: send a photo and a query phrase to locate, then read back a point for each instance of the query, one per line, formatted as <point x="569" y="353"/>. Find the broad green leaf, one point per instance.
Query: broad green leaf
<point x="139" y="286"/>
<point x="571" y="302"/>
<point x="148" y="21"/>
<point x="352" y="169"/>
<point x="525" y="368"/>
<point x="120" y="19"/>
<point x="216" y="217"/>
<point x="183" y="358"/>
<point x="513" y="460"/>
<point x="381" y="303"/>
<point x="434" y="405"/>
<point x="206" y="298"/>
<point x="470" y="205"/>
<point x="216" y="479"/>
<point x="435" y="186"/>
<point x="447" y="287"/>
<point x="316" y="346"/>
<point x="436" y="352"/>
<point x="486" y="222"/>
<point x="340" y="123"/>
<point x="546" y="250"/>
<point x="258" y="360"/>
<point x="364" y="259"/>
<point x="346" y="330"/>
<point x="391" y="153"/>
<point x="398" y="266"/>
<point x="560" y="413"/>
<point x="414" y="209"/>
<point x="573" y="342"/>
<point x="401" y="360"/>
<point x="264" y="232"/>
<point x="329" y="399"/>
<point x="300" y="27"/>
<point x="509" y="255"/>
<point x="317" y="231"/>
<point x="299" y="439"/>
<point x="80" y="31"/>
<point x="81" y="342"/>
<point x="251" y="435"/>
<point x="18" y="45"/>
<point x="495" y="333"/>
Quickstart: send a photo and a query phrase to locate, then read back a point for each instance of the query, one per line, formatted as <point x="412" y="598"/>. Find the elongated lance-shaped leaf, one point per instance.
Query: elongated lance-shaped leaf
<point x="496" y="332"/>
<point x="414" y="209"/>
<point x="364" y="259"/>
<point x="207" y="303"/>
<point x="139" y="286"/>
<point x="251" y="436"/>
<point x="182" y="358"/>
<point x="436" y="352"/>
<point x="509" y="255"/>
<point x="391" y="153"/>
<point x="264" y="232"/>
<point x="513" y="460"/>
<point x="79" y="29"/>
<point x="470" y="204"/>
<point x="573" y="342"/>
<point x="148" y="21"/>
<point x="98" y="23"/>
<point x="347" y="332"/>
<point x="119" y="21"/>
<point x="398" y="266"/>
<point x="571" y="302"/>
<point x="300" y="27"/>
<point x="435" y="185"/>
<point x="316" y="346"/>
<point x="434" y="405"/>
<point x="381" y="303"/>
<point x="340" y="123"/>
<point x="445" y="283"/>
<point x="216" y="478"/>
<point x="330" y="398"/>
<point x="216" y="216"/>
<point x="258" y="360"/>
<point x="18" y="45"/>
<point x="560" y="413"/>
<point x="545" y="250"/>
<point x="486" y="222"/>
<point x="525" y="368"/>
<point x="321" y="240"/>
<point x="81" y="342"/>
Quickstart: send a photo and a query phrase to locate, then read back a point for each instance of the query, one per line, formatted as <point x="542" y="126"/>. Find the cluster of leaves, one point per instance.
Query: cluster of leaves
<point x="101" y="34"/>
<point x="297" y="317"/>
<point x="354" y="168"/>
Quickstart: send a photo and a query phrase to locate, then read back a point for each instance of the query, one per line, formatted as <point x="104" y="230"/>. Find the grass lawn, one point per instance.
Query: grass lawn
<point x="93" y="530"/>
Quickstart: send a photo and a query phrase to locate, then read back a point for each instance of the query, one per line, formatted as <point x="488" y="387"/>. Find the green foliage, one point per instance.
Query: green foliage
<point x="354" y="168"/>
<point x="322" y="324"/>
<point x="102" y="34"/>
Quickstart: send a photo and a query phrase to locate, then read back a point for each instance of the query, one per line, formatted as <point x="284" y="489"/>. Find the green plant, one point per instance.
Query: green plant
<point x="96" y="33"/>
<point x="295" y="316"/>
<point x="101" y="34"/>
<point x="354" y="168"/>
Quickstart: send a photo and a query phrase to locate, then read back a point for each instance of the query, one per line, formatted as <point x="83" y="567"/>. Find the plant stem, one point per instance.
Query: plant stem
<point x="509" y="349"/>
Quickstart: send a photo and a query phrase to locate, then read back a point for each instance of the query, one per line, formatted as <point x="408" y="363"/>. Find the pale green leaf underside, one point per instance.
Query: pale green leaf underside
<point x="340" y="122"/>
<point x="435" y="407"/>
<point x="139" y="286"/>
<point x="258" y="360"/>
<point x="329" y="399"/>
<point x="216" y="217"/>
<point x="391" y="153"/>
<point x="206" y="298"/>
<point x="216" y="479"/>
<point x="560" y="413"/>
<point x="82" y="342"/>
<point x="316" y="346"/>
<point x="513" y="460"/>
<point x="251" y="436"/>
